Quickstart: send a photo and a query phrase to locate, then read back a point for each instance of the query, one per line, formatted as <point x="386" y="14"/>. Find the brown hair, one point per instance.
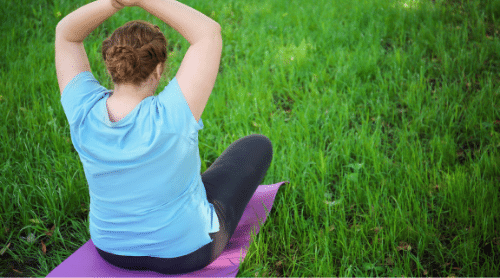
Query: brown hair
<point x="133" y="52"/>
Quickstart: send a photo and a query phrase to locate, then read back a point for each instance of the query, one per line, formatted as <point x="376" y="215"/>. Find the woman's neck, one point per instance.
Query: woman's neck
<point x="130" y="92"/>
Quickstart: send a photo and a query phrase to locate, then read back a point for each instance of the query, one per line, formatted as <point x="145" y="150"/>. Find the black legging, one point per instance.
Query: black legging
<point x="230" y="183"/>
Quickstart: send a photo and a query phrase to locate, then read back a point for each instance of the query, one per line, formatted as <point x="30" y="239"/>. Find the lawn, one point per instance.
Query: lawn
<point x="384" y="116"/>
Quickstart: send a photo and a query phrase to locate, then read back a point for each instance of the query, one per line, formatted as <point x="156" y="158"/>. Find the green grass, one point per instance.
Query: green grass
<point x="384" y="116"/>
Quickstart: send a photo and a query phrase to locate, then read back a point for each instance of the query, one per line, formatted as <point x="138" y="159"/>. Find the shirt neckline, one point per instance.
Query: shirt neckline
<point x="122" y="120"/>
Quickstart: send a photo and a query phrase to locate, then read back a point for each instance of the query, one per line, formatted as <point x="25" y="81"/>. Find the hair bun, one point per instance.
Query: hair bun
<point x="123" y="59"/>
<point x="134" y="51"/>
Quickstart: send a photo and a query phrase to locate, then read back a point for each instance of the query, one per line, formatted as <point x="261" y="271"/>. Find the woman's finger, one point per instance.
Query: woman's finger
<point x="117" y="4"/>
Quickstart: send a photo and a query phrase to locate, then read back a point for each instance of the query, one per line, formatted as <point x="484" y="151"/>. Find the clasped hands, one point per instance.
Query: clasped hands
<point x="119" y="4"/>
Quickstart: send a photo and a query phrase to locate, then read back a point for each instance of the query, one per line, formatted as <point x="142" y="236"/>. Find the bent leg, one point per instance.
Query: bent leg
<point x="231" y="181"/>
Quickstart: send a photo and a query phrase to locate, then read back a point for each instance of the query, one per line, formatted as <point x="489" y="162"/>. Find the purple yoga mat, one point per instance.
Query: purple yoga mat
<point x="87" y="262"/>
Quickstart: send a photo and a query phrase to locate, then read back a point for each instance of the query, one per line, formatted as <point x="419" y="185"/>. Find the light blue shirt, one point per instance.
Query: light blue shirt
<point x="146" y="193"/>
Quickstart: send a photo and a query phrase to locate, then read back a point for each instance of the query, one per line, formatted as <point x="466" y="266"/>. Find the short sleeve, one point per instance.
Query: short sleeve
<point x="80" y="95"/>
<point x="173" y="100"/>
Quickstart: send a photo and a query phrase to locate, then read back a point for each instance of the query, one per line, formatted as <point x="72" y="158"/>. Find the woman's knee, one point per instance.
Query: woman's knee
<point x="263" y="143"/>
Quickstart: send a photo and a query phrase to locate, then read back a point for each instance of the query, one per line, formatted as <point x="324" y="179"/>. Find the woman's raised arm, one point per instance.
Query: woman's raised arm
<point x="190" y="23"/>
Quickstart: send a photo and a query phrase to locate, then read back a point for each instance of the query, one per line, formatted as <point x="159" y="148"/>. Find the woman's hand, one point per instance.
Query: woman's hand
<point x="128" y="3"/>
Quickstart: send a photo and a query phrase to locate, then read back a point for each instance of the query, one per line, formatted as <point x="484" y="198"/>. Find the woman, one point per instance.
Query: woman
<point x="150" y="209"/>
